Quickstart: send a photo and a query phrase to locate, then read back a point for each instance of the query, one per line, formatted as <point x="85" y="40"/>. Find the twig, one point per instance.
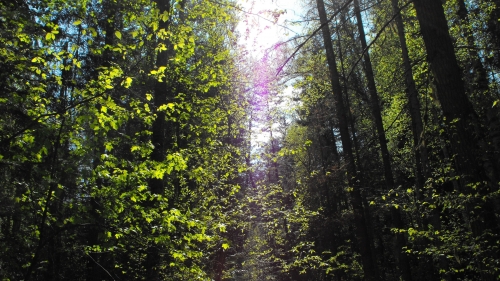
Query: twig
<point x="376" y="37"/>
<point x="312" y="35"/>
<point x="253" y="14"/>
<point x="100" y="266"/>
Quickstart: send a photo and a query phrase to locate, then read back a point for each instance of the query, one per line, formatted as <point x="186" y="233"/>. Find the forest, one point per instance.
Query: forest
<point x="141" y="140"/>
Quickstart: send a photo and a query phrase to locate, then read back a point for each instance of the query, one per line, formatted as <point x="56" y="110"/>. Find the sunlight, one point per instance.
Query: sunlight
<point x="265" y="25"/>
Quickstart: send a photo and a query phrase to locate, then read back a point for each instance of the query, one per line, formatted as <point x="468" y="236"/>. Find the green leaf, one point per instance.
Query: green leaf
<point x="165" y="106"/>
<point x="164" y="16"/>
<point x="78" y="22"/>
<point x="225" y="246"/>
<point x="128" y="82"/>
<point x="118" y="34"/>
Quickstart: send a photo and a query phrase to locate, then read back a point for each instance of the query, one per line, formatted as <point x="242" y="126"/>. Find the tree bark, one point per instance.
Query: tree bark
<point x="461" y="121"/>
<point x="457" y="110"/>
<point x="161" y="94"/>
<point x="421" y="156"/>
<point x="478" y="87"/>
<point x="94" y="271"/>
<point x="374" y="101"/>
<point x="356" y="199"/>
<point x="160" y="136"/>
<point x="402" y="258"/>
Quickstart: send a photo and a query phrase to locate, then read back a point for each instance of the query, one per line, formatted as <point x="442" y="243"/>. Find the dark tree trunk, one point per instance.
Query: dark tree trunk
<point x="414" y="106"/>
<point x="420" y="148"/>
<point x="477" y="83"/>
<point x="162" y="93"/>
<point x="457" y="110"/>
<point x="402" y="258"/>
<point x="160" y="137"/>
<point x="476" y="74"/>
<point x="460" y="119"/>
<point x="374" y="101"/>
<point x="493" y="29"/>
<point x="93" y="270"/>
<point x="356" y="199"/>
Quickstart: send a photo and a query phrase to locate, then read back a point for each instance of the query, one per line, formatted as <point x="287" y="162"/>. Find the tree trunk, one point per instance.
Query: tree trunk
<point x="402" y="258"/>
<point x="422" y="171"/>
<point x="420" y="148"/>
<point x="478" y="87"/>
<point x="374" y="101"/>
<point x="493" y="29"/>
<point x="161" y="94"/>
<point x="460" y="119"/>
<point x="457" y="109"/>
<point x="159" y="138"/>
<point x="359" y="218"/>
<point x="93" y="270"/>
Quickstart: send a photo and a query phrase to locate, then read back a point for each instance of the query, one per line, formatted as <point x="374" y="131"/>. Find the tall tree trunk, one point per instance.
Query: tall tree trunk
<point x="420" y="148"/>
<point x="460" y="119"/>
<point x="160" y="136"/>
<point x="93" y="270"/>
<point x="493" y="29"/>
<point x="478" y="85"/>
<point x="457" y="110"/>
<point x="248" y="162"/>
<point x="357" y="202"/>
<point x="421" y="156"/>
<point x="273" y="165"/>
<point x="374" y="101"/>
<point x="402" y="258"/>
<point x="477" y="78"/>
<point x="161" y="95"/>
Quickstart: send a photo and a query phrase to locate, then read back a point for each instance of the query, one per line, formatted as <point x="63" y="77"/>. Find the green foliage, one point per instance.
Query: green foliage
<point x="81" y="123"/>
<point x="76" y="123"/>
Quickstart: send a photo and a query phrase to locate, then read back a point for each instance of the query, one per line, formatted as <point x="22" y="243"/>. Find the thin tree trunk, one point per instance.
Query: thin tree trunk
<point x="161" y="95"/>
<point x="359" y="218"/>
<point x="348" y="104"/>
<point x="422" y="170"/>
<point x="374" y="101"/>
<point x="160" y="137"/>
<point x="247" y="158"/>
<point x="402" y="258"/>
<point x="94" y="272"/>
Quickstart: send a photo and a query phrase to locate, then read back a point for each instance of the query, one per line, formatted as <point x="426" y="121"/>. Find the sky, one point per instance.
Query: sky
<point x="265" y="24"/>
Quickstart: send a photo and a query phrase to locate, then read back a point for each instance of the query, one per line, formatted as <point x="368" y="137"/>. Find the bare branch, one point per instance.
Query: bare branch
<point x="376" y="37"/>
<point x="312" y="35"/>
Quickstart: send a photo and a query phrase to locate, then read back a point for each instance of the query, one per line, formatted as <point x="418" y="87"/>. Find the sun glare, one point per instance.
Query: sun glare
<point x="263" y="28"/>
<point x="266" y="23"/>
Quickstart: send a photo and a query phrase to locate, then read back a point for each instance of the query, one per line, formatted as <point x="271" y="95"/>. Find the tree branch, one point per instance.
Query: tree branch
<point x="376" y="37"/>
<point x="312" y="35"/>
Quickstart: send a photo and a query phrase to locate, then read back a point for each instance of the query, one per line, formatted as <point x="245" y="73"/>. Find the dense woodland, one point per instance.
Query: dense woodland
<point x="139" y="140"/>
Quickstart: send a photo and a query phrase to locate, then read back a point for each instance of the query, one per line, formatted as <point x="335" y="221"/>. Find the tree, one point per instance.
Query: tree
<point x="86" y="128"/>
<point x="359" y="220"/>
